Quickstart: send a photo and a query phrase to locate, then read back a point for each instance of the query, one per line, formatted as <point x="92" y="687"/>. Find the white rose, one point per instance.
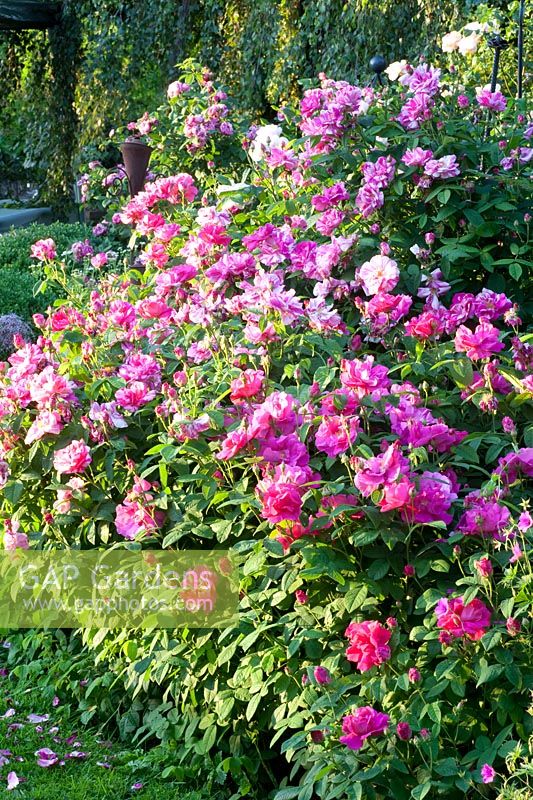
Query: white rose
<point x="450" y="42"/>
<point x="396" y="69"/>
<point x="487" y="88"/>
<point x="469" y="44"/>
<point x="266" y="138"/>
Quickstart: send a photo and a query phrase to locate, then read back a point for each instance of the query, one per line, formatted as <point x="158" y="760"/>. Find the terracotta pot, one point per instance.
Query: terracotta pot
<point x="136" y="157"/>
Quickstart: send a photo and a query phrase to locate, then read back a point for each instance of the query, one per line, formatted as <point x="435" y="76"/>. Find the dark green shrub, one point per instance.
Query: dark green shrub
<point x="19" y="273"/>
<point x="15" y="246"/>
<point x="16" y="294"/>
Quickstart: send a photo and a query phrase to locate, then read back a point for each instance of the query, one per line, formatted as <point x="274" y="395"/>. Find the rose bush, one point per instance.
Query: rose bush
<point x="331" y="375"/>
<point x="192" y="131"/>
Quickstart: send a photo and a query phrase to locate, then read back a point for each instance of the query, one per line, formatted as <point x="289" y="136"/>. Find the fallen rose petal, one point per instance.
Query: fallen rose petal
<point x="56" y="701"/>
<point x="13" y="781"/>
<point x="36" y="718"/>
<point x="3" y="761"/>
<point x="9" y="713"/>
<point x="46" y="757"/>
<point x="137" y="786"/>
<point x="76" y="754"/>
<point x="104" y="764"/>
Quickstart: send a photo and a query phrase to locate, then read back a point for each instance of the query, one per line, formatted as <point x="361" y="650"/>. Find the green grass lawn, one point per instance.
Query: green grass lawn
<point x="131" y="773"/>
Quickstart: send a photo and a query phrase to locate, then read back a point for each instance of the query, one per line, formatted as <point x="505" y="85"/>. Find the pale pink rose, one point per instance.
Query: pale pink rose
<point x="380" y="274"/>
<point x="450" y="42"/>
<point x="46" y="423"/>
<point x="176" y="88"/>
<point x="469" y="44"/>
<point x="13" y="781"/>
<point x="445" y="167"/>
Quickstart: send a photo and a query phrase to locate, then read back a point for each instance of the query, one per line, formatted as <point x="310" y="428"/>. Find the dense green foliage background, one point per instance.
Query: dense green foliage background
<point x="109" y="61"/>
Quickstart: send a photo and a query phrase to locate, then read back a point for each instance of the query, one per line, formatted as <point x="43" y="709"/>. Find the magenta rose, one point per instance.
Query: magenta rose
<point x="364" y="722"/>
<point x="457" y="620"/>
<point x="481" y="343"/>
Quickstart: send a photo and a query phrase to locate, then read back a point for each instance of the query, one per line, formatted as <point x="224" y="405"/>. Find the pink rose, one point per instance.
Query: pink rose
<point x="494" y="101"/>
<point x="248" y="384"/>
<point x="335" y="434"/>
<point x="458" y="620"/>
<point x="484" y="567"/>
<point x="364" y="722"/>
<point x="133" y="517"/>
<point x="46" y="423"/>
<point x="44" y="250"/>
<point x="396" y="495"/>
<point x="481" y="343"/>
<point x="368" y="644"/>
<point x="13" y="538"/>
<point x="416" y="157"/>
<point x="445" y="167"/>
<point x="73" y="458"/>
<point x="176" y="88"/>
<point x="99" y="260"/>
<point x="281" y="500"/>
<point x="322" y="675"/>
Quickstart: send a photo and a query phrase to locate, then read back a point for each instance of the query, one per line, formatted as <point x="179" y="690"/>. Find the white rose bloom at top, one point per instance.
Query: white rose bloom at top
<point x="482" y="27"/>
<point x="469" y="44"/>
<point x="266" y="138"/>
<point x="488" y="88"/>
<point x="396" y="69"/>
<point x="450" y="42"/>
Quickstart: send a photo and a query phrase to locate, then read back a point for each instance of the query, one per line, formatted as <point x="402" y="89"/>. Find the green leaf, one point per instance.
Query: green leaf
<point x="359" y="538"/>
<point x="287" y="794"/>
<point x="252" y="706"/>
<point x="446" y="767"/>
<point x="143" y="664"/>
<point x="488" y="672"/>
<point x="421" y="791"/>
<point x="355" y="598"/>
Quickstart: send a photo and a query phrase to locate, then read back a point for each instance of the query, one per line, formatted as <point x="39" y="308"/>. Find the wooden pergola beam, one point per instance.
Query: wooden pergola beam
<point x="18" y="15"/>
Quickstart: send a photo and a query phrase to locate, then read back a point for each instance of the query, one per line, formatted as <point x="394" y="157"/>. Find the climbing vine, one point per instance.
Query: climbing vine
<point x="110" y="60"/>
